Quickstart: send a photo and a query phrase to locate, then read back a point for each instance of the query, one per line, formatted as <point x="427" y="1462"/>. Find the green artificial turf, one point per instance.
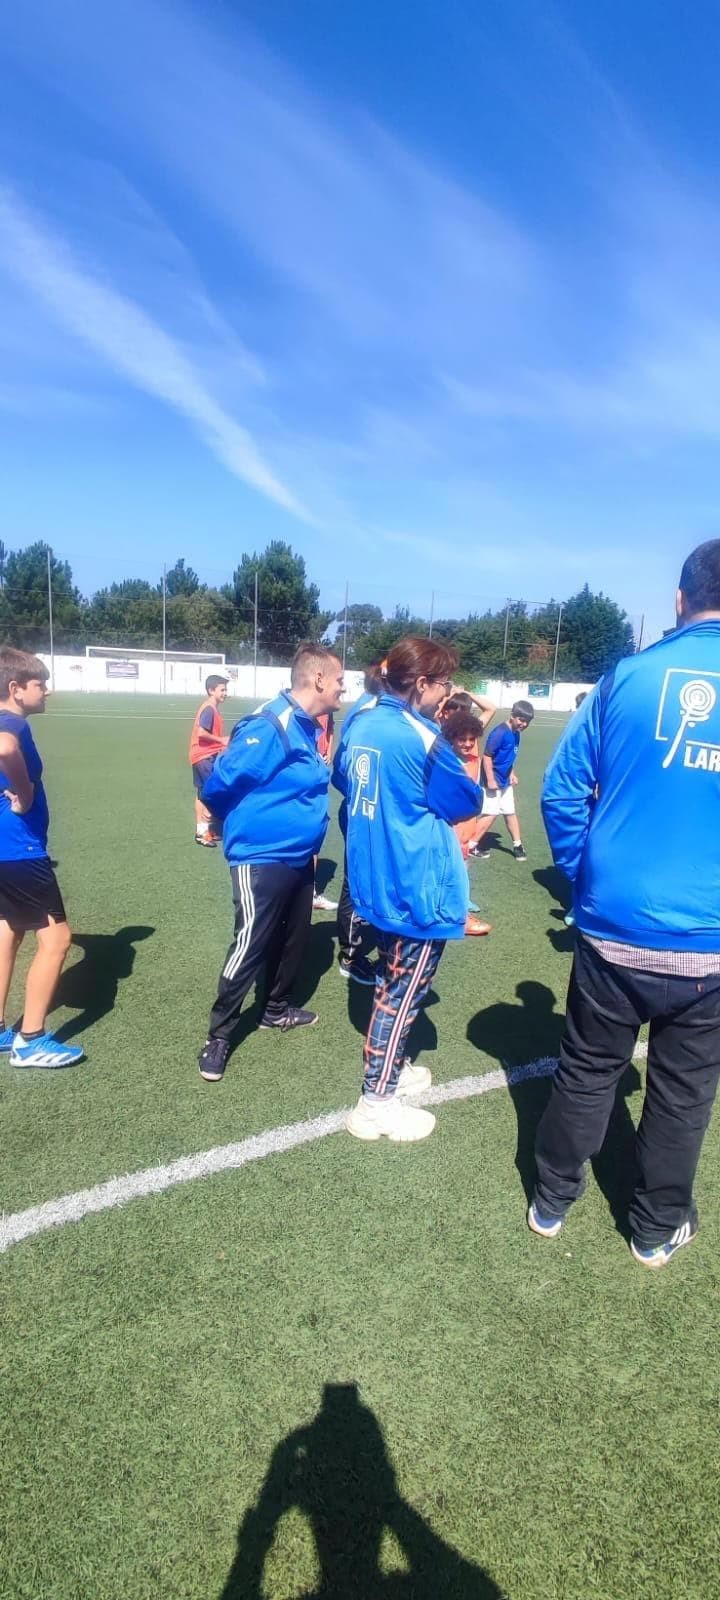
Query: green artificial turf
<point x="347" y="1371"/>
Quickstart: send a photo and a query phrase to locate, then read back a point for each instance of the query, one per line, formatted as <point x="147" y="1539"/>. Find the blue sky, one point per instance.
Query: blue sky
<point x="430" y="290"/>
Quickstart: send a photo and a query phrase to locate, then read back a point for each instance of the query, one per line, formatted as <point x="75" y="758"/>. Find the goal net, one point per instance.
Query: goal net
<point x="151" y="671"/>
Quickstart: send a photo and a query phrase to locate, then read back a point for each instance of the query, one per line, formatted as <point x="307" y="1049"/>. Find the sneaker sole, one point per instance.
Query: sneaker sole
<point x="211" y="1077"/>
<point x="372" y="1135"/>
<point x="46" y="1066"/>
<point x="276" y="1027"/>
<point x="662" y="1261"/>
<point x="543" y="1233"/>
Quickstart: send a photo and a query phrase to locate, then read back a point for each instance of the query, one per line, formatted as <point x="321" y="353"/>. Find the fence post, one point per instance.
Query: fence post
<point x="557" y="648"/>
<point x="50" y="619"/>
<point x="345" y="626"/>
<point x="164" y="630"/>
<point x="255" y="639"/>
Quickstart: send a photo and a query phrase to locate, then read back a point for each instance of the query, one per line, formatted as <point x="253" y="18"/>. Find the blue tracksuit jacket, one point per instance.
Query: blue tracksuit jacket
<point x="270" y="787"/>
<point x="404" y="787"/>
<point x="631" y="798"/>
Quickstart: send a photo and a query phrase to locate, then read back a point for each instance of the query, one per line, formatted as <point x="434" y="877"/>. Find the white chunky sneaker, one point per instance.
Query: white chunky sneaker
<point x="391" y="1119"/>
<point x="413" y="1079"/>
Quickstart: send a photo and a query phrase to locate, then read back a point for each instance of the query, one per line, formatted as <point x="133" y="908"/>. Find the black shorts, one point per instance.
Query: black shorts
<point x="30" y="895"/>
<point x="201" y="771"/>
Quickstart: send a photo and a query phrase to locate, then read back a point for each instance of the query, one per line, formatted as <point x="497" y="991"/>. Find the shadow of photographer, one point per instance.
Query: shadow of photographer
<point x="337" y="1473"/>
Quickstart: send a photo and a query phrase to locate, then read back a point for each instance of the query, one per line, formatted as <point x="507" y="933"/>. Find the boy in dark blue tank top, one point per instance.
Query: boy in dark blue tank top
<point x="30" y="898"/>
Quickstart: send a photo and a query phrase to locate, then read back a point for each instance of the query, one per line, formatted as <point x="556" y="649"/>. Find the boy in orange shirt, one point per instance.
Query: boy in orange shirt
<point x="206" y="741"/>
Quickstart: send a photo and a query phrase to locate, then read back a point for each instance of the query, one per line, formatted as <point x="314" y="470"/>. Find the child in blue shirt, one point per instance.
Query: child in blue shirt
<point x="498" y="778"/>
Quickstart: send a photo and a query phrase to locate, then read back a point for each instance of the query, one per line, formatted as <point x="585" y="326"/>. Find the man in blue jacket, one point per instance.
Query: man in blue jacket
<point x="270" y="790"/>
<point x="642" y="751"/>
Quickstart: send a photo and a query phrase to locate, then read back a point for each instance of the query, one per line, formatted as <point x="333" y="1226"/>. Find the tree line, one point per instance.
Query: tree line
<point x="513" y="641"/>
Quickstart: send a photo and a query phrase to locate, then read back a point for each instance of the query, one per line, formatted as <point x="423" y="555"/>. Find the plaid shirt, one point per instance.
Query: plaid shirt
<point x="668" y="963"/>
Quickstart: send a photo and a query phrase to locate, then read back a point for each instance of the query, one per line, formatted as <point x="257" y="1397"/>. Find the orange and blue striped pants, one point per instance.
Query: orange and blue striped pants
<point x="405" y="973"/>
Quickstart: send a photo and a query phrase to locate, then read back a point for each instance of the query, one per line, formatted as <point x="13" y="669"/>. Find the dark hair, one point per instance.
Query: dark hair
<point x="523" y="708"/>
<point x="19" y="666"/>
<point x="374" y="680"/>
<point x="462" y="701"/>
<point x="700" y="578"/>
<point x="580" y="697"/>
<point x="460" y="724"/>
<point x="213" y="682"/>
<point x="308" y="660"/>
<point x="414" y="658"/>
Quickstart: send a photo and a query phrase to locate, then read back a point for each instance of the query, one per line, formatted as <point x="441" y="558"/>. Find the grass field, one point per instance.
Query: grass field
<point x="346" y="1371"/>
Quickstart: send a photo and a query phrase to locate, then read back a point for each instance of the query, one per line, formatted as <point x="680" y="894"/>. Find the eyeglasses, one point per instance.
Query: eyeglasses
<point x="446" y="683"/>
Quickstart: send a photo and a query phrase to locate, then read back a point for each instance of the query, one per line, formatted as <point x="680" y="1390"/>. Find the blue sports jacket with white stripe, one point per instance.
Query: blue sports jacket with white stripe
<point x="270" y="787"/>
<point x="405" y="787"/>
<point x="631" y="798"/>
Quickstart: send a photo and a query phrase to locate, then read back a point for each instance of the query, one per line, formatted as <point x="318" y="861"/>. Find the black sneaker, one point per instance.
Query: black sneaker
<point x="519" y="853"/>
<point x="479" y="852"/>
<point x="294" y="1017"/>
<point x="212" y="1059"/>
<point x="359" y="969"/>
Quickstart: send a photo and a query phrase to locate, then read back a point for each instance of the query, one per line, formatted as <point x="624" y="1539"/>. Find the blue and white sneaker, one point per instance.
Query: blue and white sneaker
<point x="548" y="1227"/>
<point x="7" y="1040"/>
<point x="658" y="1255"/>
<point x="47" y="1051"/>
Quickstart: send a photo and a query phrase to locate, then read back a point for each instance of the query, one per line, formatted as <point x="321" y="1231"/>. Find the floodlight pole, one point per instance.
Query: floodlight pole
<point x="641" y="633"/>
<point x="557" y="645"/>
<point x="255" y="638"/>
<point x="505" y="640"/>
<point x="345" y="626"/>
<point x="164" y="630"/>
<point x="50" y="619"/>
<point x="432" y="614"/>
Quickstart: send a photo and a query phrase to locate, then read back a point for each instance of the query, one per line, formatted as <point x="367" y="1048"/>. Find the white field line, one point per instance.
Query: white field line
<point x="116" y="1192"/>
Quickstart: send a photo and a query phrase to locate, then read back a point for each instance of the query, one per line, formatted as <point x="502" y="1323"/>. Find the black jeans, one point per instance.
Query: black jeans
<point x="606" y="1005"/>
<point x="273" y="913"/>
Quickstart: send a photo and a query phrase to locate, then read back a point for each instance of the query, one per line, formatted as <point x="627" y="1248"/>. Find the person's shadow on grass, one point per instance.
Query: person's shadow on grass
<point x="559" y="888"/>
<point x="337" y="1473"/>
<point x="91" y="985"/>
<point x="518" y="1035"/>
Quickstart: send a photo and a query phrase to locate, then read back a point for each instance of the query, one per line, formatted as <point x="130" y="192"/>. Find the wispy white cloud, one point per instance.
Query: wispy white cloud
<point x="131" y="343"/>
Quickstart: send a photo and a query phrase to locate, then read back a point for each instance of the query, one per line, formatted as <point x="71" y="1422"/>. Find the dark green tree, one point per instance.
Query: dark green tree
<point x="596" y="634"/>
<point x="126" y="613"/>
<point x="361" y="619"/>
<point x="288" y="605"/>
<point x="180" y="580"/>
<point x="24" y="609"/>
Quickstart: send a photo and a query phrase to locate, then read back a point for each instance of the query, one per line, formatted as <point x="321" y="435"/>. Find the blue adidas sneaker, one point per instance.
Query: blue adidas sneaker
<point x="7" y="1040"/>
<point x="547" y="1227"/>
<point x="47" y="1051"/>
<point x="658" y="1255"/>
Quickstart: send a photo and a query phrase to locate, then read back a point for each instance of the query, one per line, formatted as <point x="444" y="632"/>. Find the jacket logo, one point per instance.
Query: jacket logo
<point x="365" y="777"/>
<point x="687" y="702"/>
<point x="252" y="741"/>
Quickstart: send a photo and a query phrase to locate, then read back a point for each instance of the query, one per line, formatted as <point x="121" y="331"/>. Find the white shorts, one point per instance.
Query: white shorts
<point x="499" y="802"/>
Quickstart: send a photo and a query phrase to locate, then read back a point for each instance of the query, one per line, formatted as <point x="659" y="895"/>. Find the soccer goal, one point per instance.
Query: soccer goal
<point x="122" y="667"/>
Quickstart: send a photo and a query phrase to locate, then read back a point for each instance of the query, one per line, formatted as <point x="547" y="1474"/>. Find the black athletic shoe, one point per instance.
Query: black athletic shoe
<point x="359" y="969"/>
<point x="519" y="852"/>
<point x="478" y="852"/>
<point x="294" y="1017"/>
<point x="212" y="1059"/>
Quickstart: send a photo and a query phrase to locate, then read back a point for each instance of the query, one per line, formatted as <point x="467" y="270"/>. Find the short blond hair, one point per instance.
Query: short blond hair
<point x="308" y="660"/>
